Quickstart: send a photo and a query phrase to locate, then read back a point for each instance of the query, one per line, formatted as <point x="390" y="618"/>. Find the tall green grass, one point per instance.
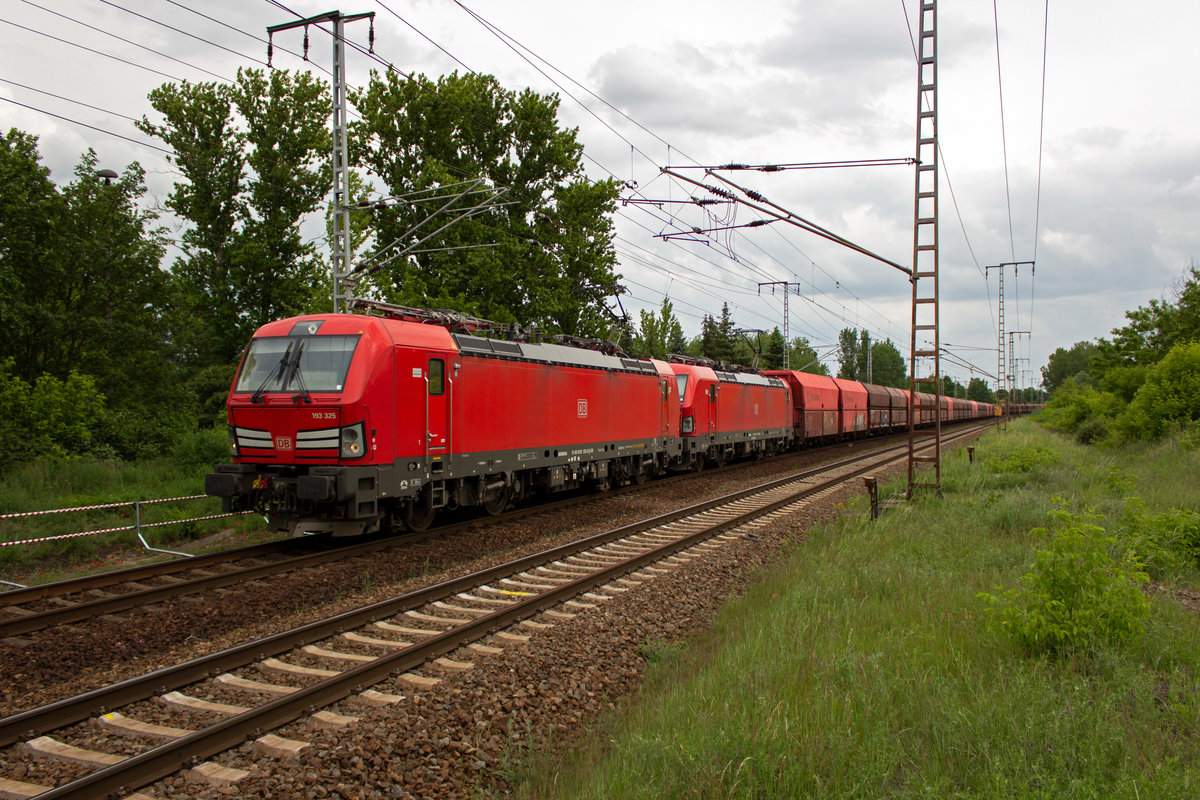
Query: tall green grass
<point x="42" y="485"/>
<point x="868" y="665"/>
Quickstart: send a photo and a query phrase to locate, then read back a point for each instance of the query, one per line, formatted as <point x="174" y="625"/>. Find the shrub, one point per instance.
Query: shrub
<point x="202" y="448"/>
<point x="51" y="419"/>
<point x="1021" y="459"/>
<point x="135" y="434"/>
<point x="1164" y="542"/>
<point x="1077" y="407"/>
<point x="1092" y="431"/>
<point x="1124" y="380"/>
<point x="1077" y="595"/>
<point x="1169" y="397"/>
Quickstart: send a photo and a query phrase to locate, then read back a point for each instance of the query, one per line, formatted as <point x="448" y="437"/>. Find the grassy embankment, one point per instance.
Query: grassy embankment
<point x="868" y="665"/>
<point x="82" y="482"/>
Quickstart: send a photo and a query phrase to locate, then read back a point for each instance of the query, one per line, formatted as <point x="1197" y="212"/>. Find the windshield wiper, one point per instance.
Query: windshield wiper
<point x="297" y="377"/>
<point x="279" y="371"/>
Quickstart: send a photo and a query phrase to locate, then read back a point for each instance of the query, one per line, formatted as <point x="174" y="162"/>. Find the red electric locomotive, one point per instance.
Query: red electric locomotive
<point x="350" y="423"/>
<point x="730" y="415"/>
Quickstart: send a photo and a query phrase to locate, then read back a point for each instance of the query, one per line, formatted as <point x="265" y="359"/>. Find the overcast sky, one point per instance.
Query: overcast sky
<point x="1116" y="223"/>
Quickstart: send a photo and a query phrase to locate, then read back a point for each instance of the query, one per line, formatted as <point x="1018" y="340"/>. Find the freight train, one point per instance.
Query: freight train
<point x="355" y="423"/>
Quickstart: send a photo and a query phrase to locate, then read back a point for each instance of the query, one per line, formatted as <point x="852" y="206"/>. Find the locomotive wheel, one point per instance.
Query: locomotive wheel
<point x="419" y="511"/>
<point x="494" y="502"/>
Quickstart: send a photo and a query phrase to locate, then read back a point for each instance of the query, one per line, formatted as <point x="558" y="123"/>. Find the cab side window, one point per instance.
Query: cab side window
<point x="437" y="376"/>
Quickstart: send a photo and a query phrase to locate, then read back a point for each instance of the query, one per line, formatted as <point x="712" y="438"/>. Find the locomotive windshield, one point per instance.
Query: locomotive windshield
<point x="296" y="364"/>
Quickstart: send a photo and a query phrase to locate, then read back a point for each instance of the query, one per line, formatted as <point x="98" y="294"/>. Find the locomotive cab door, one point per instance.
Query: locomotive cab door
<point x="438" y="398"/>
<point x="664" y="424"/>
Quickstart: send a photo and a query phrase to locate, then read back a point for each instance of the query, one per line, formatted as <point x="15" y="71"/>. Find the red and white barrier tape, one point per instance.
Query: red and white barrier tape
<point x="126" y="528"/>
<point x="22" y="514"/>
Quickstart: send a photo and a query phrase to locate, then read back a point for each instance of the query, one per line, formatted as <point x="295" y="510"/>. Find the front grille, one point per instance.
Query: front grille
<point x="250" y="437"/>
<point x="324" y="439"/>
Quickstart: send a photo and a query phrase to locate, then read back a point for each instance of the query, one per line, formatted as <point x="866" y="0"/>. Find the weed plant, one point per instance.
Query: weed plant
<point x="43" y="485"/>
<point x="869" y="663"/>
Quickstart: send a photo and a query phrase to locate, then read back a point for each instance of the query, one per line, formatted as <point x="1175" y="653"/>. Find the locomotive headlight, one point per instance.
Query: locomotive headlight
<point x="233" y="447"/>
<point x="689" y="424"/>
<point x="354" y="441"/>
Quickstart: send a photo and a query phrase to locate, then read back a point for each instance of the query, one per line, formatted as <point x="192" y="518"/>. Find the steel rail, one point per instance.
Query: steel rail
<point x="41" y="591"/>
<point x="161" y="761"/>
<point x="41" y="620"/>
<point x="79" y="707"/>
<point x="29" y="624"/>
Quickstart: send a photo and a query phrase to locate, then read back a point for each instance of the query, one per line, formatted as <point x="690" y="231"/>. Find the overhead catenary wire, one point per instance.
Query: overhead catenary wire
<point x="68" y="100"/>
<point x="86" y="125"/>
<point x="742" y="265"/>
<point x="1003" y="130"/>
<point x="185" y="33"/>
<point x="94" y="51"/>
<point x="126" y="40"/>
<point x="245" y="33"/>
<point x="495" y="31"/>
<point x="1037" y="214"/>
<point x="513" y="44"/>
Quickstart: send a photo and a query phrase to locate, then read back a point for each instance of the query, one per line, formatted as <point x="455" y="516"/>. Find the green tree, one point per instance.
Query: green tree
<point x="30" y="207"/>
<point x="803" y="358"/>
<point x="111" y="293"/>
<point x="861" y="359"/>
<point x="209" y="152"/>
<point x="977" y="389"/>
<point x="772" y="350"/>
<point x="542" y="256"/>
<point x="716" y="337"/>
<point x="887" y="365"/>
<point x="247" y="181"/>
<point x="82" y="285"/>
<point x="1064" y="364"/>
<point x="288" y="158"/>
<point x="952" y="388"/>
<point x="1153" y="329"/>
<point x="46" y="419"/>
<point x="660" y="334"/>
<point x="1169" y="397"/>
<point x="852" y="354"/>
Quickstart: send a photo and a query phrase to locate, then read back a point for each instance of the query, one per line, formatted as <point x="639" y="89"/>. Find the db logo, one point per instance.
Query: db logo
<point x="581" y="407"/>
<point x="283" y="443"/>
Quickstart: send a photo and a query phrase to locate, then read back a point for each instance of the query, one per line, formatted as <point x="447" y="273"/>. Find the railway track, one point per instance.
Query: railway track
<point x="434" y="629"/>
<point x="38" y="608"/>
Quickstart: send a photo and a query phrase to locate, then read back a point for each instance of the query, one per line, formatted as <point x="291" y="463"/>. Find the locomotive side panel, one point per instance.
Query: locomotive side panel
<point x="510" y="405"/>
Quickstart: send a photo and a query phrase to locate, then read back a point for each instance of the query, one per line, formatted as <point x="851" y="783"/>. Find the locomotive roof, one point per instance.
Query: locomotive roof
<point x="551" y="354"/>
<point x="416" y="334"/>
<point x="703" y="371"/>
